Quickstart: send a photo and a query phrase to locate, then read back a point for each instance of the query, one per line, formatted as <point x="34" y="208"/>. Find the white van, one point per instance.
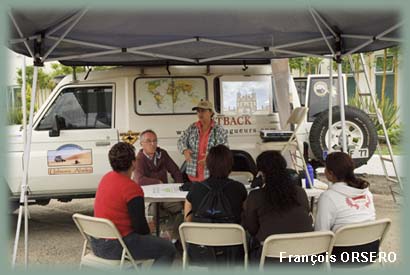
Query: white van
<point x="75" y="128"/>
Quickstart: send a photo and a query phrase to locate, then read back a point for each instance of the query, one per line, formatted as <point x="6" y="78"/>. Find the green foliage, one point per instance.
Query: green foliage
<point x="297" y="63"/>
<point x="44" y="80"/>
<point x="388" y="109"/>
<point x="305" y="65"/>
<point x="14" y="116"/>
<point x="390" y="115"/>
<point x="395" y="134"/>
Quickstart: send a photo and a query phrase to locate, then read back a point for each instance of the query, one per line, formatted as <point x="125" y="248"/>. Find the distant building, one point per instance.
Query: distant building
<point x="246" y="104"/>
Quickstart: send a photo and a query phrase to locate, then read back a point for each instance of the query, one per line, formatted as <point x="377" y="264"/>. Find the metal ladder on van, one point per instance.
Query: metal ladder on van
<point x="369" y="105"/>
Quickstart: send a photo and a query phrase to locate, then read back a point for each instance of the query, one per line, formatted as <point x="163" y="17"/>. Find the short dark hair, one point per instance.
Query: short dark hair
<point x="121" y="156"/>
<point x="342" y="167"/>
<point x="147" y="131"/>
<point x="219" y="161"/>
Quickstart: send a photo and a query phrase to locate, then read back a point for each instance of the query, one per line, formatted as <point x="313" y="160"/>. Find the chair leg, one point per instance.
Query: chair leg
<point x="184" y="260"/>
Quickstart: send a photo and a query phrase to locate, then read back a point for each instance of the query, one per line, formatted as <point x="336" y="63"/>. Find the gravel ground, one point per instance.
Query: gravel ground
<point x="54" y="241"/>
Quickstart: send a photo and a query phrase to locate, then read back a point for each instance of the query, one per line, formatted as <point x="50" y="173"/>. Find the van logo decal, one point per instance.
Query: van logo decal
<point x="231" y="120"/>
<point x="69" y="155"/>
<point x="70" y="170"/>
<point x="130" y="137"/>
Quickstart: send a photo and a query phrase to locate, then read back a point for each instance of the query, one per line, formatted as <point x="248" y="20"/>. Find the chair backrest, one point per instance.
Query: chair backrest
<point x="96" y="227"/>
<point x="307" y="243"/>
<point x="361" y="233"/>
<point x="212" y="234"/>
<point x="298" y="115"/>
<point x="243" y="161"/>
<point x="101" y="228"/>
<point x="244" y="177"/>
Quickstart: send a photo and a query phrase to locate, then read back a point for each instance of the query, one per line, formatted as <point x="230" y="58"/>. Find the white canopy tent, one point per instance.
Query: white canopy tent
<point x="80" y="37"/>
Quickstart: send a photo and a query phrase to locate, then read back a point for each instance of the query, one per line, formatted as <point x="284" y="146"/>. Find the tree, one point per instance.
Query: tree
<point x="305" y="65"/>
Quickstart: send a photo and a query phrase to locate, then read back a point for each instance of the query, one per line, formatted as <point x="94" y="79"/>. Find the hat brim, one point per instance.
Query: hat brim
<point x="196" y="108"/>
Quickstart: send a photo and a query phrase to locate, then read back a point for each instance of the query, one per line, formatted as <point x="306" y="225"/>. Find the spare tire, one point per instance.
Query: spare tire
<point x="360" y="131"/>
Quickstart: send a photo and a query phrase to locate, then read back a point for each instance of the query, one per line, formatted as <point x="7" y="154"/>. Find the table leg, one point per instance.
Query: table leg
<point x="312" y="203"/>
<point x="157" y="219"/>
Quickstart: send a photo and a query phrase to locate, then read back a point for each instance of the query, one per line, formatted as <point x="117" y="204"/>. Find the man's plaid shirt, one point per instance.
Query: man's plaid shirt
<point x="190" y="140"/>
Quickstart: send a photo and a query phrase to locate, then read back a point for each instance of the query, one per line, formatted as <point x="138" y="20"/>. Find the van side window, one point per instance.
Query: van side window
<point x="241" y="95"/>
<point x="318" y="97"/>
<point x="168" y="95"/>
<point x="81" y="108"/>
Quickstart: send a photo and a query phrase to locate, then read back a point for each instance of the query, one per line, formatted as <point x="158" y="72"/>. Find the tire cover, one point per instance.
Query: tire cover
<point x="317" y="136"/>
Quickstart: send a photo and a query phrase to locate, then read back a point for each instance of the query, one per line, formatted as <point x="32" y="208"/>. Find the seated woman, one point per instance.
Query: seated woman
<point x="348" y="200"/>
<point x="121" y="201"/>
<point x="280" y="206"/>
<point x="202" y="197"/>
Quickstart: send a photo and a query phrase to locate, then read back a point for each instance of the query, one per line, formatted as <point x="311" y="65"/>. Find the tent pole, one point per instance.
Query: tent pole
<point x="370" y="41"/>
<point x="23" y="99"/>
<point x="24" y="182"/>
<point x="322" y="32"/>
<point x="342" y="105"/>
<point x="21" y="34"/>
<point x="329" y="137"/>
<point x="64" y="35"/>
<point x="367" y="37"/>
<point x="274" y="49"/>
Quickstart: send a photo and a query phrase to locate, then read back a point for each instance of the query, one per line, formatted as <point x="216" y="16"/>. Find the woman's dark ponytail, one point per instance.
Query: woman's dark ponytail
<point x="342" y="167"/>
<point x="280" y="192"/>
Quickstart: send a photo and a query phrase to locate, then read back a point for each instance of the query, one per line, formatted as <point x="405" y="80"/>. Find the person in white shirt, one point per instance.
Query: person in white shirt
<point x="348" y="199"/>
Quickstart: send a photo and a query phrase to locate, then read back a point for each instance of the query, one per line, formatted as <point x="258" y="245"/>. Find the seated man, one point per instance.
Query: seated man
<point x="120" y="200"/>
<point x="152" y="165"/>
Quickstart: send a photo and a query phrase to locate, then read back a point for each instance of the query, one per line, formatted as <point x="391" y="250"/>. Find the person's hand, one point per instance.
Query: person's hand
<point x="201" y="162"/>
<point x="187" y="154"/>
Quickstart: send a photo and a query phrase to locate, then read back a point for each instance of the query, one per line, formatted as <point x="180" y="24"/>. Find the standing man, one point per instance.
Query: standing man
<point x="198" y="139"/>
<point x="152" y="165"/>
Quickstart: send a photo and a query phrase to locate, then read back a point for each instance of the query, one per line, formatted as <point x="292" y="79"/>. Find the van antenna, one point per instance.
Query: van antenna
<point x="88" y="72"/>
<point x="74" y="73"/>
<point x="245" y="67"/>
<point x="208" y="69"/>
<point x="169" y="72"/>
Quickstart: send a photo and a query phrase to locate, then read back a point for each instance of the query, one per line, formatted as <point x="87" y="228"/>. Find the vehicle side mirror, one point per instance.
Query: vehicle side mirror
<point x="58" y="124"/>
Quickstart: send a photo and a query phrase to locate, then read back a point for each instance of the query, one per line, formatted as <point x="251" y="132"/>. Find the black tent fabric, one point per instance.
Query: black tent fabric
<point x="135" y="37"/>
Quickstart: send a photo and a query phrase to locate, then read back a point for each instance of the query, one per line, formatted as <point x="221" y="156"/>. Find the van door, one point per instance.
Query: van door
<point x="72" y="160"/>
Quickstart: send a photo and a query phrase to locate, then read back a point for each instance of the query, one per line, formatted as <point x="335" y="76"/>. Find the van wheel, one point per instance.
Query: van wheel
<point x="360" y="131"/>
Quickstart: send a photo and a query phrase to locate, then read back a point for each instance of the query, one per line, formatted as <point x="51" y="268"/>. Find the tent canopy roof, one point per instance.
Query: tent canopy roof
<point x="136" y="37"/>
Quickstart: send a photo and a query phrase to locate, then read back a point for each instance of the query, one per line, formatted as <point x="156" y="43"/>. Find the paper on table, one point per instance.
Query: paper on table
<point x="169" y="190"/>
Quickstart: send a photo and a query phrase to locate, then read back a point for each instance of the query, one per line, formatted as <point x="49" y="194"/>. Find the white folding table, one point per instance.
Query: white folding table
<point x="170" y="192"/>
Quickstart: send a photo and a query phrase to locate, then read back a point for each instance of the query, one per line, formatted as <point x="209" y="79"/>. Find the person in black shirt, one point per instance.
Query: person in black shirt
<point x="219" y="162"/>
<point x="280" y="206"/>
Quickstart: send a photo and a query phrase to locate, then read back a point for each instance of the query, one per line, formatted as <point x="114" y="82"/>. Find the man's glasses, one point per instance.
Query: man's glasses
<point x="155" y="141"/>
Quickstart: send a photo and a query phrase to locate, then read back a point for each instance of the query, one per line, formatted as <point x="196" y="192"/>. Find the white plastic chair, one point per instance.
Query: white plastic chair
<point x="362" y="233"/>
<point x="212" y="234"/>
<point x="306" y="243"/>
<point x="101" y="228"/>
<point x="296" y="119"/>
